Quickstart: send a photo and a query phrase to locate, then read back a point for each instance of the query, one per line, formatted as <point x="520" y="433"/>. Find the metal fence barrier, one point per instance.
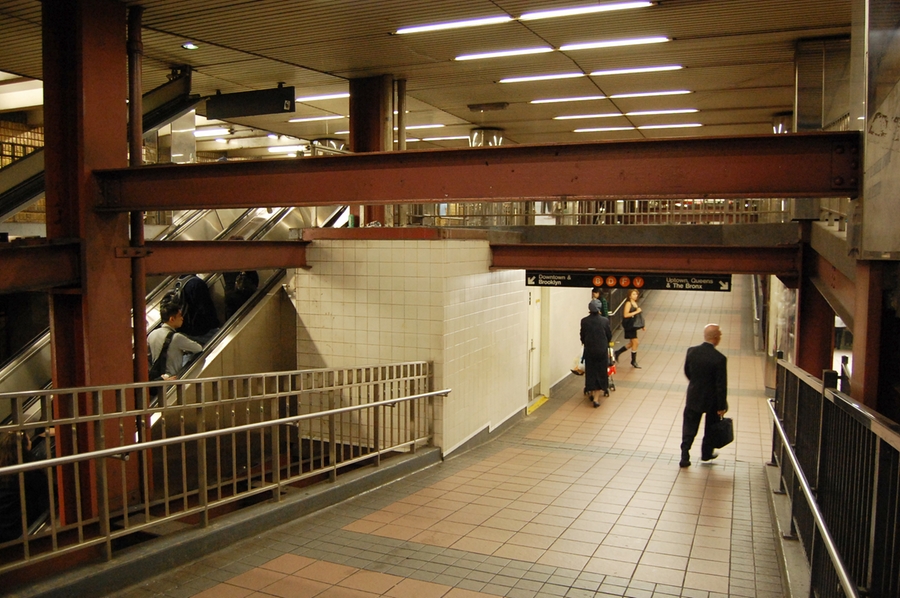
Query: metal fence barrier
<point x="845" y="461"/>
<point x="590" y="211"/>
<point x="124" y="462"/>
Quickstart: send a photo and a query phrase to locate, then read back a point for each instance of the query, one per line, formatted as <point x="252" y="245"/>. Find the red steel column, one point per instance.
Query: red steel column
<point x="815" y="323"/>
<point x="867" y="334"/>
<point x="85" y="127"/>
<point x="136" y="158"/>
<point x="371" y="118"/>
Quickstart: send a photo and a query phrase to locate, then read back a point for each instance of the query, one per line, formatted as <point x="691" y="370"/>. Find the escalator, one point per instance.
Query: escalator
<point x="30" y="369"/>
<point x="22" y="182"/>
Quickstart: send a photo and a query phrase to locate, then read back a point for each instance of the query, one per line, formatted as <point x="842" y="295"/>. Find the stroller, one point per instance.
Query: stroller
<point x="611" y="369"/>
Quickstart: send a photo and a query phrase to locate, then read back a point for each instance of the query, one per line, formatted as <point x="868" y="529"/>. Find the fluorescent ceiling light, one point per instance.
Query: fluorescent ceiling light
<point x="285" y="149"/>
<point x="414" y="127"/>
<point x="455" y="24"/>
<point x="309" y="119"/>
<point x="678" y="126"/>
<point x="604" y="129"/>
<point x="503" y="53"/>
<point x="341" y="133"/>
<point x="330" y="96"/>
<point x="581" y="10"/>
<point x="576" y="116"/>
<point x="541" y="78"/>
<point x="218" y="132"/>
<point x="189" y="46"/>
<point x="643" y="69"/>
<point x="272" y="136"/>
<point x="657" y="112"/>
<point x="614" y="43"/>
<point x="451" y="138"/>
<point x="409" y="140"/>
<point x="221" y="140"/>
<point x="650" y="94"/>
<point x="576" y="99"/>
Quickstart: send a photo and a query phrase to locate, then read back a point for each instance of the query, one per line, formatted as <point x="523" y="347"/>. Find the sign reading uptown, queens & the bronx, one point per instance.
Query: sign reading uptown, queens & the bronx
<point x="665" y="282"/>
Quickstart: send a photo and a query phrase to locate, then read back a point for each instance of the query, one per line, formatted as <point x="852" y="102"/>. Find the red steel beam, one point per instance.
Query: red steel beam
<point x="780" y="261"/>
<point x="822" y="164"/>
<point x="39" y="267"/>
<point x="176" y="257"/>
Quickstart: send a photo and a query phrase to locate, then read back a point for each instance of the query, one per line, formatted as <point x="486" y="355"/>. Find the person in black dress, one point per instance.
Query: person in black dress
<point x="596" y="336"/>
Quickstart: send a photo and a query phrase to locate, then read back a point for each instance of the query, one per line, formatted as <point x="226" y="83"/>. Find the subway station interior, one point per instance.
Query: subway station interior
<point x="398" y="212"/>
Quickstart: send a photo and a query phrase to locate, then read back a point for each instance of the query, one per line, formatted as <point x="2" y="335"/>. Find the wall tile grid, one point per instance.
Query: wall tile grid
<point x="366" y="302"/>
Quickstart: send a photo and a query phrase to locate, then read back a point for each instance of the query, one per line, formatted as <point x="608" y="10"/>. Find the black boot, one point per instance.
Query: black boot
<point x="618" y="352"/>
<point x="634" y="362"/>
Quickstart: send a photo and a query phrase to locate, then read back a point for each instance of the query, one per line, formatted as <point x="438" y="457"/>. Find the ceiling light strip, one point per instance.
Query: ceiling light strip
<point x="575" y="99"/>
<point x="582" y="10"/>
<point x="542" y="77"/>
<point x="455" y="24"/>
<point x="641" y="69"/>
<point x="315" y="118"/>
<point x="503" y="53"/>
<point x="614" y="43"/>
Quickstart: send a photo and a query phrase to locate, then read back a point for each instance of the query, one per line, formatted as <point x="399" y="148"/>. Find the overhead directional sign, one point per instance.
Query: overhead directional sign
<point x="666" y="282"/>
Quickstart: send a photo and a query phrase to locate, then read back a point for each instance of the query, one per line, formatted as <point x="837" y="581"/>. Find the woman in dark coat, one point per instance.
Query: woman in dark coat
<point x="595" y="336"/>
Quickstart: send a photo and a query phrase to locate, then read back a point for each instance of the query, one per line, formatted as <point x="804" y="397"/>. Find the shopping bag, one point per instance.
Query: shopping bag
<point x="722" y="433"/>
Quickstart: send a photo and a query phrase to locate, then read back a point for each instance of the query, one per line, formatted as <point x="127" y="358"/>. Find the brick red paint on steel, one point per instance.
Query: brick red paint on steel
<point x="796" y="165"/>
<point x="781" y="261"/>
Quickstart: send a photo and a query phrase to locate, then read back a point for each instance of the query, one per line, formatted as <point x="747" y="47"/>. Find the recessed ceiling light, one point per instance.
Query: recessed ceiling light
<point x="284" y="149"/>
<point x="581" y="10"/>
<point x="341" y="133"/>
<point x="678" y="126"/>
<point x="541" y="78"/>
<point x="451" y="138"/>
<point x="604" y="129"/>
<point x="657" y="112"/>
<point x="455" y="24"/>
<point x="414" y="127"/>
<point x="409" y="140"/>
<point x="614" y="43"/>
<point x="272" y="136"/>
<point x="330" y="96"/>
<point x="575" y="99"/>
<point x="309" y="119"/>
<point x="221" y="140"/>
<point x="217" y="132"/>
<point x="189" y="46"/>
<point x="577" y="116"/>
<point x="642" y="69"/>
<point x="503" y="53"/>
<point x="650" y="94"/>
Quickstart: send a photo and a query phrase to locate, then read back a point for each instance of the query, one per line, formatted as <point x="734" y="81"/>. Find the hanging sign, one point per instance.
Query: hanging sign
<point x="662" y="282"/>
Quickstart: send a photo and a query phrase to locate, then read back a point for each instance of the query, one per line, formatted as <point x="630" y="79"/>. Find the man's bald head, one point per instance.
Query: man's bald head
<point x="712" y="334"/>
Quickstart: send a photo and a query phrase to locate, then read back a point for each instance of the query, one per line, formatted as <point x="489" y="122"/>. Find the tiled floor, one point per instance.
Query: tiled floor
<point x="573" y="501"/>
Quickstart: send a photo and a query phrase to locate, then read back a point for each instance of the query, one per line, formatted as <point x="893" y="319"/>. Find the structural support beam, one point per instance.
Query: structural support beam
<point x="867" y="328"/>
<point x="177" y="257"/>
<point x="796" y="165"/>
<point x="39" y="267"/>
<point x="781" y="261"/>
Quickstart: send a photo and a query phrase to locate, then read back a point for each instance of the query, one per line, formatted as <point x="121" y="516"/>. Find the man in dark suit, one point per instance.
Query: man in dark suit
<point x="707" y="373"/>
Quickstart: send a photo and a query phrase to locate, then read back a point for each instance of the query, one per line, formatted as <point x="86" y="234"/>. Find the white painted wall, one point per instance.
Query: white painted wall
<point x="567" y="307"/>
<point x="369" y="302"/>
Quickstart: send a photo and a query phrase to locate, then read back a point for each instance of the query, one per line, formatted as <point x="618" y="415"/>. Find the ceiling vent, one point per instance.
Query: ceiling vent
<point x="490" y="107"/>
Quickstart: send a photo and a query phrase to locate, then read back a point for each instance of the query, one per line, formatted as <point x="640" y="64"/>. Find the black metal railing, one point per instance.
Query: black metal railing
<point x="840" y="467"/>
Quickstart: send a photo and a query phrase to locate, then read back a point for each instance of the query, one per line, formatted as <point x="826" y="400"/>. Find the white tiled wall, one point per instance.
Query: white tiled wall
<point x="367" y="302"/>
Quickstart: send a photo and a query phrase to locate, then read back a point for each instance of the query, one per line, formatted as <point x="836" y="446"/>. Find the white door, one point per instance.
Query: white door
<point x="534" y="343"/>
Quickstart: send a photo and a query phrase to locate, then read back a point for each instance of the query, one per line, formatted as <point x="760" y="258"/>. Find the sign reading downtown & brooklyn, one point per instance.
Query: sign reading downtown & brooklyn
<point x="664" y="282"/>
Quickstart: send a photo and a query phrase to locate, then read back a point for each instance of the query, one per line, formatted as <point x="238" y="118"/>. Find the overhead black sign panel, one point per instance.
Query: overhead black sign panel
<point x="250" y="103"/>
<point x="665" y="282"/>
